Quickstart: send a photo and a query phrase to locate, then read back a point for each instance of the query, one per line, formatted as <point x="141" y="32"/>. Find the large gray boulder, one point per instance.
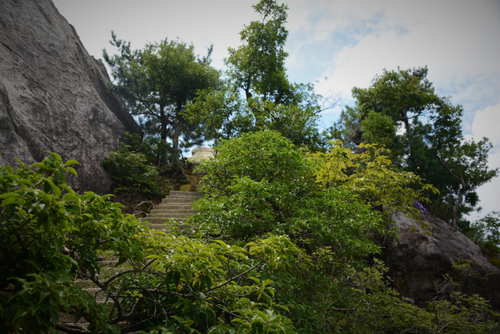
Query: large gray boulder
<point x="419" y="257"/>
<point x="53" y="95"/>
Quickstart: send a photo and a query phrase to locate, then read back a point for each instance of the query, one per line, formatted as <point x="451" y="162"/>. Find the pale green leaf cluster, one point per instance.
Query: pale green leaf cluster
<point x="370" y="174"/>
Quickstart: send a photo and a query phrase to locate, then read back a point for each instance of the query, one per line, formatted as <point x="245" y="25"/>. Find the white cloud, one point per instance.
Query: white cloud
<point x="457" y="40"/>
<point x="489" y="193"/>
<point x="486" y="124"/>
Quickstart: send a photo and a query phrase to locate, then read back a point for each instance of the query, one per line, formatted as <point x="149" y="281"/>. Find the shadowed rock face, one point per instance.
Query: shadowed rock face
<point x="53" y="95"/>
<point x="418" y="260"/>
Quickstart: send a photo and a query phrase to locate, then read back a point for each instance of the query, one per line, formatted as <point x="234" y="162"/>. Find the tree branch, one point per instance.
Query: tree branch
<point x="234" y="278"/>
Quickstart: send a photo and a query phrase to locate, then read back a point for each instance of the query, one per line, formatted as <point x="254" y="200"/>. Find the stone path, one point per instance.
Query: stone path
<point x="177" y="206"/>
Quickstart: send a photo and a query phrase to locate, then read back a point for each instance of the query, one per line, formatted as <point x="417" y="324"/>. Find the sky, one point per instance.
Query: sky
<point x="337" y="45"/>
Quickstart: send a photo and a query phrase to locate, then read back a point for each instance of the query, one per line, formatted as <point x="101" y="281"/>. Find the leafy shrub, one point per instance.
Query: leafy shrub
<point x="193" y="286"/>
<point x="48" y="235"/>
<point x="130" y="172"/>
<point x="260" y="184"/>
<point x="486" y="233"/>
<point x="370" y="174"/>
<point x="254" y="185"/>
<point x="51" y="235"/>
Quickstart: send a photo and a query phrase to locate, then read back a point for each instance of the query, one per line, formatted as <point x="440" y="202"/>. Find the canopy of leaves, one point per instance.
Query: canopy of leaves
<point x="429" y="142"/>
<point x="260" y="184"/>
<point x="48" y="234"/>
<point x="370" y="174"/>
<point x="156" y="83"/>
<point x="256" y="69"/>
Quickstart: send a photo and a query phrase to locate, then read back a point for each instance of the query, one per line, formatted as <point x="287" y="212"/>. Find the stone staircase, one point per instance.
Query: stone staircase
<point x="175" y="207"/>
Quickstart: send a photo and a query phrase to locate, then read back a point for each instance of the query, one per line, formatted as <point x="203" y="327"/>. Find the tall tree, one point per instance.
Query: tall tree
<point x="156" y="84"/>
<point x="429" y="142"/>
<point x="256" y="71"/>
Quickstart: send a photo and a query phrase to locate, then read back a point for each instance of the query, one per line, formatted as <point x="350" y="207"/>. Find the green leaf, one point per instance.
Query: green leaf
<point x="55" y="189"/>
<point x="71" y="198"/>
<point x="72" y="171"/>
<point x="64" y="279"/>
<point x="10" y="201"/>
<point x="10" y="195"/>
<point x="71" y="162"/>
<point x="25" y="182"/>
<point x="19" y="314"/>
<point x="37" y="164"/>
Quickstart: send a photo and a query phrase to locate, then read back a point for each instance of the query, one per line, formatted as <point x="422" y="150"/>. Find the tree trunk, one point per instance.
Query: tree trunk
<point x="461" y="194"/>
<point x="175" y="144"/>
<point x="163" y="134"/>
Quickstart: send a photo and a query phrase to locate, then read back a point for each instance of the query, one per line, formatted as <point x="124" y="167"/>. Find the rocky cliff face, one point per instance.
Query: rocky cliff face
<point x="53" y="95"/>
<point x="419" y="257"/>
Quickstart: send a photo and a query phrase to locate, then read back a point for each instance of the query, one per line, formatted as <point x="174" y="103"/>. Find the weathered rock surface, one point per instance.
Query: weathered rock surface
<point x="53" y="95"/>
<point x="418" y="260"/>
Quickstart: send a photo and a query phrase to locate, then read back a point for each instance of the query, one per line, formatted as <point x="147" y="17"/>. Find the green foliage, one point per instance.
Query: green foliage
<point x="486" y="233"/>
<point x="378" y="128"/>
<point x="193" y="286"/>
<point x="131" y="173"/>
<point x="256" y="69"/>
<point x="430" y="142"/>
<point x="260" y="184"/>
<point x="221" y="113"/>
<point x="49" y="234"/>
<point x="156" y="83"/>
<point x="253" y="185"/>
<point x="259" y="64"/>
<point x="370" y="175"/>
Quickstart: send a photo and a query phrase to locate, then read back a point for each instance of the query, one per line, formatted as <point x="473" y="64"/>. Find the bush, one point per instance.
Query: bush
<point x="260" y="184"/>
<point x="48" y="235"/>
<point x="131" y="173"/>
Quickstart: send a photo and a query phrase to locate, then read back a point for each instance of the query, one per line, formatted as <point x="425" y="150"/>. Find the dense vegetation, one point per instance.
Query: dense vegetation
<point x="284" y="238"/>
<point x="430" y="143"/>
<point x="273" y="250"/>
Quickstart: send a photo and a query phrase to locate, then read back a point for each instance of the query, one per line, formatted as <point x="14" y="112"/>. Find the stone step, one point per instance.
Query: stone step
<point x="166" y="207"/>
<point x="168" y="216"/>
<point x="108" y="263"/>
<point x="178" y="200"/>
<point x="155" y="220"/>
<point x="84" y="283"/>
<point x="172" y="211"/>
<point x="98" y="294"/>
<point x="69" y="319"/>
<point x="189" y="194"/>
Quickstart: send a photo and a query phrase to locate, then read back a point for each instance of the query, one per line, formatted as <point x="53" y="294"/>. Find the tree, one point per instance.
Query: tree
<point x="258" y="66"/>
<point x="156" y="83"/>
<point x="429" y="142"/>
<point x="260" y="184"/>
<point x="256" y="70"/>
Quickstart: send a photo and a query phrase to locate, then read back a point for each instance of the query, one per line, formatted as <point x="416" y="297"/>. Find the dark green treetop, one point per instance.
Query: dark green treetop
<point x="430" y="141"/>
<point x="156" y="84"/>
<point x="256" y="70"/>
